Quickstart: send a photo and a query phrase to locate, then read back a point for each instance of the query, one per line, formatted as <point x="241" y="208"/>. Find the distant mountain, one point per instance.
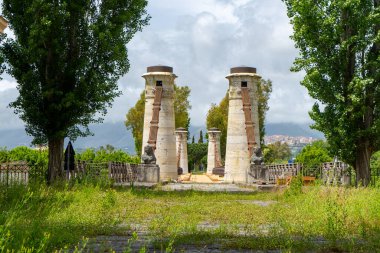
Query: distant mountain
<point x="117" y="135"/>
<point x="114" y="134"/>
<point x="292" y="129"/>
<point x="11" y="138"/>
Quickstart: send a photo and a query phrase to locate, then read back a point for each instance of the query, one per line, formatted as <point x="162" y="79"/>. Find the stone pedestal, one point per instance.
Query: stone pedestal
<point x="238" y="155"/>
<point x="181" y="144"/>
<point x="213" y="154"/>
<point x="161" y="77"/>
<point x="148" y="173"/>
<point x="258" y="174"/>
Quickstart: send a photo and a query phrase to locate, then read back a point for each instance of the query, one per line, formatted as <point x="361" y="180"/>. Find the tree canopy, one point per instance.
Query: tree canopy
<point x="277" y="153"/>
<point x="67" y="57"/>
<point x="313" y="155"/>
<point x="339" y="44"/>
<point x="135" y="116"/>
<point x="197" y="154"/>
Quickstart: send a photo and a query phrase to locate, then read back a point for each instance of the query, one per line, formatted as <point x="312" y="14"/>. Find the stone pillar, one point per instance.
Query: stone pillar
<point x="165" y="152"/>
<point x="237" y="149"/>
<point x="213" y="154"/>
<point x="181" y="144"/>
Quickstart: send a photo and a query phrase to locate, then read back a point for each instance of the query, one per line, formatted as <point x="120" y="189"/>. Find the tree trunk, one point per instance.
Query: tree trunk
<point x="55" y="167"/>
<point x="362" y="163"/>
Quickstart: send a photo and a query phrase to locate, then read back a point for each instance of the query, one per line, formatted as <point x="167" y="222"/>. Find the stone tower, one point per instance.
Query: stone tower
<point x="159" y="124"/>
<point x="243" y="122"/>
<point x="181" y="144"/>
<point x="214" y="159"/>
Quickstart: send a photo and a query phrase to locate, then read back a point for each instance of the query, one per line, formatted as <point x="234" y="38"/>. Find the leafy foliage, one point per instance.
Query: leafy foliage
<point x="375" y="161"/>
<point x="339" y="44"/>
<point x="277" y="153"/>
<point x="67" y="57"/>
<point x="104" y="155"/>
<point x="264" y="90"/>
<point x="36" y="157"/>
<point x="217" y="117"/>
<point x="182" y="106"/>
<point x="314" y="154"/>
<point x="135" y="116"/>
<point x="197" y="154"/>
<point x="31" y="156"/>
<point x="200" y="140"/>
<point x="135" y="122"/>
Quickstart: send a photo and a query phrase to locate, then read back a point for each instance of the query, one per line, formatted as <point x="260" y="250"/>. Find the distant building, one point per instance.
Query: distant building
<point x="296" y="143"/>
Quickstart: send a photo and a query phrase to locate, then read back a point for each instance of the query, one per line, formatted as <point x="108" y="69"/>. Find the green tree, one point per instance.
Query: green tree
<point x="264" y="90"/>
<point x="182" y="106"/>
<point x="339" y="44"/>
<point x="277" y="153"/>
<point x="135" y="122"/>
<point x="217" y="116"/>
<point x="313" y="155"/>
<point x="135" y="116"/>
<point x="107" y="154"/>
<point x="193" y="139"/>
<point x="67" y="57"/>
<point x="197" y="153"/>
<point x="200" y="140"/>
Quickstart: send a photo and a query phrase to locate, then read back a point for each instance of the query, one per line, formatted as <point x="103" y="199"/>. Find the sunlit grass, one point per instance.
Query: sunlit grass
<point x="320" y="218"/>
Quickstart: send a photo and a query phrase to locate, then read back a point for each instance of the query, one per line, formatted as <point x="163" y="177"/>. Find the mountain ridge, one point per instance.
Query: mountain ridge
<point x="118" y="136"/>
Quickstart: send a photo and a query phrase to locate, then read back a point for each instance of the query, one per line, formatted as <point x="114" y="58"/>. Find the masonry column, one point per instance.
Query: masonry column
<point x="181" y="143"/>
<point x="214" y="159"/>
<point x="159" y="124"/>
<point x="243" y="124"/>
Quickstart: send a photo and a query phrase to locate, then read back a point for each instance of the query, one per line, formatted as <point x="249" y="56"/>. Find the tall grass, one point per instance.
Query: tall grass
<point x="44" y="219"/>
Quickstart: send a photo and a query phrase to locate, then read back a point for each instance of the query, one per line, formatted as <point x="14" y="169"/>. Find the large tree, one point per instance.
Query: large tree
<point x="67" y="56"/>
<point x="277" y="153"/>
<point x="339" y="45"/>
<point x="217" y="116"/>
<point x="135" y="116"/>
<point x="313" y="155"/>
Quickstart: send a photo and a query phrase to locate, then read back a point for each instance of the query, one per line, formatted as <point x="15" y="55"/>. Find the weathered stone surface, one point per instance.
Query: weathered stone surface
<point x="181" y="144"/>
<point x="149" y="173"/>
<point x="258" y="173"/>
<point x="165" y="147"/>
<point x="213" y="153"/>
<point x="237" y="162"/>
<point x="207" y="187"/>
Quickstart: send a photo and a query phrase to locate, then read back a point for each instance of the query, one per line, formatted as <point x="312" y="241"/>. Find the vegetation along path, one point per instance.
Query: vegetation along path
<point x="312" y="219"/>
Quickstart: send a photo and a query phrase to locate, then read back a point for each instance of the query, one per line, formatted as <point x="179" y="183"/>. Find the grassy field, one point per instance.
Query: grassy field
<point x="44" y="219"/>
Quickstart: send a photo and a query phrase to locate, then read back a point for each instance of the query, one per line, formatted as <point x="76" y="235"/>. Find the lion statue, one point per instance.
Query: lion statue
<point x="148" y="157"/>
<point x="257" y="157"/>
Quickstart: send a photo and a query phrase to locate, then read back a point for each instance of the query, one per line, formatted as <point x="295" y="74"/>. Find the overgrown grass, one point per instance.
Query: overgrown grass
<point x="41" y="218"/>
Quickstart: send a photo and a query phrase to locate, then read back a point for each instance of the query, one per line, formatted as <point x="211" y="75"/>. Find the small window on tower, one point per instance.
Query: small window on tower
<point x="158" y="83"/>
<point x="244" y="84"/>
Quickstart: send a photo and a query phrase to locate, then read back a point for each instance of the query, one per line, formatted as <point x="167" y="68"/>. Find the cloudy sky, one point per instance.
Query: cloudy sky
<point x="202" y="40"/>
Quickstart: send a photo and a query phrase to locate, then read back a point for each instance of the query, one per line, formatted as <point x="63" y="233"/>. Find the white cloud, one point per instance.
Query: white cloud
<point x="7" y="84"/>
<point x="202" y="39"/>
